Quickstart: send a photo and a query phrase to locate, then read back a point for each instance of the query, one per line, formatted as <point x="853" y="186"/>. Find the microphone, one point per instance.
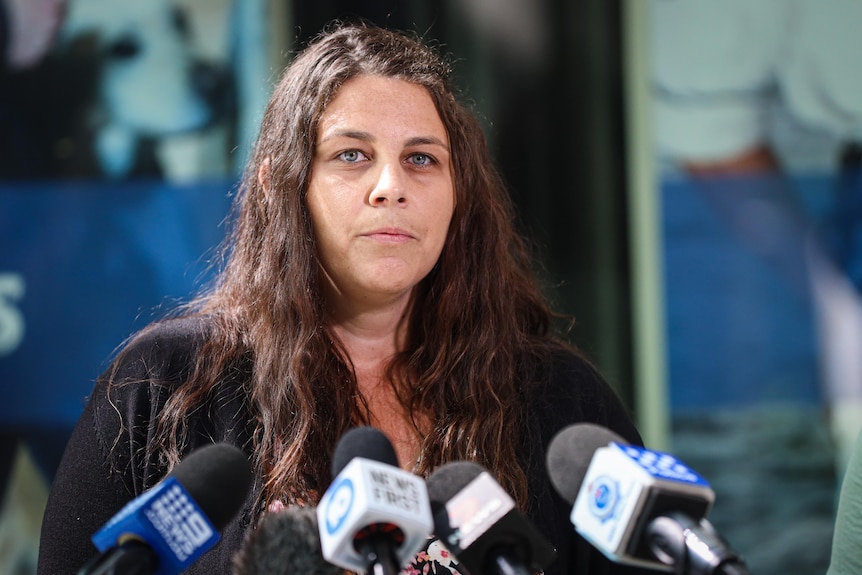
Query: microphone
<point x="478" y="522"/>
<point x="167" y="528"/>
<point x="284" y="543"/>
<point x="374" y="517"/>
<point x="637" y="506"/>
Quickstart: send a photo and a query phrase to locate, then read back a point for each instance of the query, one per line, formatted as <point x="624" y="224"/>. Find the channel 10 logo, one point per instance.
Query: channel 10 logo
<point x="339" y="504"/>
<point x="604" y="494"/>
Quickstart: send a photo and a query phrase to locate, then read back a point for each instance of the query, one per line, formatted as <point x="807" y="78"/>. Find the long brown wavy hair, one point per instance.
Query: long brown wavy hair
<point x="480" y="318"/>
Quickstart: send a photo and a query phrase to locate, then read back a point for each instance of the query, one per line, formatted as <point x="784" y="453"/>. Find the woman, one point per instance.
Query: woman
<point x="374" y="277"/>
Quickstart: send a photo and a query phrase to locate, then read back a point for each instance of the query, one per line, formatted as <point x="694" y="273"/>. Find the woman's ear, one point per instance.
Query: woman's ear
<point x="263" y="177"/>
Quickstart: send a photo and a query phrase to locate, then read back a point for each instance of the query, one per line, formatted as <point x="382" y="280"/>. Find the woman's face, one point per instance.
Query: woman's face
<point x="381" y="193"/>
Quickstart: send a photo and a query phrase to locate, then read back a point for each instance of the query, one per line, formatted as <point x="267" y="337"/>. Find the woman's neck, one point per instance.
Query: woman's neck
<point x="371" y="338"/>
<point x="371" y="331"/>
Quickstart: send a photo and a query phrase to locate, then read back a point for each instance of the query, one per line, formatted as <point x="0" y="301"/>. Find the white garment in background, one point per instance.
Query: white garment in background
<point x="729" y="74"/>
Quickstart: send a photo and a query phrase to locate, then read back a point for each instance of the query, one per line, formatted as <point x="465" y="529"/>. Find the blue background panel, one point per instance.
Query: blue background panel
<point x="96" y="260"/>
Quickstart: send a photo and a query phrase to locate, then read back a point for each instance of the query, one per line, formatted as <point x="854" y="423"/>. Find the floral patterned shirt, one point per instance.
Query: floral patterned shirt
<point x="434" y="560"/>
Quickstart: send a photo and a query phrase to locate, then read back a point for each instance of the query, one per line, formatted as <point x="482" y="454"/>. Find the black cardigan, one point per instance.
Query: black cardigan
<point x="104" y="466"/>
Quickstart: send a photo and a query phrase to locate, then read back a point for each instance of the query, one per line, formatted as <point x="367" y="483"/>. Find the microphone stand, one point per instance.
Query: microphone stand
<point x="380" y="557"/>
<point x="503" y="563"/>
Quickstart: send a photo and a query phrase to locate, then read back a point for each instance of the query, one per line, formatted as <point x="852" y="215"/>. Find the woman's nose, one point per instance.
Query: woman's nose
<point x="389" y="187"/>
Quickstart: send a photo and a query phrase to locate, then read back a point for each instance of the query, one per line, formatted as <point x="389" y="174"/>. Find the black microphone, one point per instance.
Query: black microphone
<point x="478" y="522"/>
<point x="638" y="506"/>
<point x="285" y="542"/>
<point x="374" y="517"/>
<point x="167" y="528"/>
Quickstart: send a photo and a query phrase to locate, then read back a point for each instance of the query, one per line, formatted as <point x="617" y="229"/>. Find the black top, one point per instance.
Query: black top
<point x="105" y="465"/>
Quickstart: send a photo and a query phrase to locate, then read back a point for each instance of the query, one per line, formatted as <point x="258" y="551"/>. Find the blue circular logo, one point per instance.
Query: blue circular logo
<point x="604" y="495"/>
<point x="338" y="504"/>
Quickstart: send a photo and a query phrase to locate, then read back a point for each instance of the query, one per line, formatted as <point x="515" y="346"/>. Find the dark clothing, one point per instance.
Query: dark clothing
<point x="105" y="465"/>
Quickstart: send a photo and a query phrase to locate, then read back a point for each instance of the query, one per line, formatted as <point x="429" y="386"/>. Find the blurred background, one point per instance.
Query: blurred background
<point x="688" y="170"/>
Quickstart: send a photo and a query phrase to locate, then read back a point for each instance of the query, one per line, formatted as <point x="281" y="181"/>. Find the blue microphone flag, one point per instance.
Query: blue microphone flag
<point x="167" y="519"/>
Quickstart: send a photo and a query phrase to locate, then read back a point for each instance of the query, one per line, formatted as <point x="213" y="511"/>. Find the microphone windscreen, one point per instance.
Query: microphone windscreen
<point x="218" y="478"/>
<point x="570" y="453"/>
<point x="285" y="542"/>
<point x="365" y="442"/>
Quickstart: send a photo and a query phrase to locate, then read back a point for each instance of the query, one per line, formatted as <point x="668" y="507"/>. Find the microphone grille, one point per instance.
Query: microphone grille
<point x="569" y="455"/>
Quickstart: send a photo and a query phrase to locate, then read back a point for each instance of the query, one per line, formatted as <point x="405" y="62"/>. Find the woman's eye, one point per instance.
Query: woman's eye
<point x="351" y="156"/>
<point x="419" y="159"/>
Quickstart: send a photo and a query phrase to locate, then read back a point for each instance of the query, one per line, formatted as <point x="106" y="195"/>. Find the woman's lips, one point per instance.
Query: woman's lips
<point x="390" y="235"/>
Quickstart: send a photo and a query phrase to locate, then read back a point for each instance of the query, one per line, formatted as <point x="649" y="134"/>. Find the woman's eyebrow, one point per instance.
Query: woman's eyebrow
<point x="426" y="140"/>
<point x="352" y="134"/>
<point x="368" y="137"/>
